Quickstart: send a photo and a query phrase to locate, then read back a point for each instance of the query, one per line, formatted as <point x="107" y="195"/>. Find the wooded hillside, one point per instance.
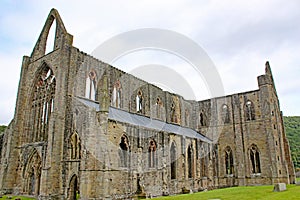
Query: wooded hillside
<point x="292" y="128"/>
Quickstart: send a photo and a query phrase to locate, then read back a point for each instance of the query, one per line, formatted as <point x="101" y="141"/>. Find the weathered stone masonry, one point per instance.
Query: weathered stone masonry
<point x="83" y="126"/>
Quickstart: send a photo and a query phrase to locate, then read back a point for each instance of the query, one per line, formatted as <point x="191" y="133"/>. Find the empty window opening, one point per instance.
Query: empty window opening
<point x="254" y="159"/>
<point x="139" y="102"/>
<point x="51" y="38"/>
<point x="124" y="151"/>
<point x="203" y="121"/>
<point x="225" y="113"/>
<point x="249" y="111"/>
<point x="173" y="160"/>
<point x="158" y="105"/>
<point x="229" y="161"/>
<point x="190" y="161"/>
<point x="90" y="90"/>
<point x="152" y="159"/>
<point x="116" y="100"/>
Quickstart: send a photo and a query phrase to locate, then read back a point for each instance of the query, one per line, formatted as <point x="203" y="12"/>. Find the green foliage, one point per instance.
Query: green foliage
<point x="245" y="193"/>
<point x="2" y="128"/>
<point x="292" y="129"/>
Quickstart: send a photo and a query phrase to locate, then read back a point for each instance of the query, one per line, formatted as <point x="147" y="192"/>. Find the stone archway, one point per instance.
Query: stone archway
<point x="73" y="188"/>
<point x="33" y="174"/>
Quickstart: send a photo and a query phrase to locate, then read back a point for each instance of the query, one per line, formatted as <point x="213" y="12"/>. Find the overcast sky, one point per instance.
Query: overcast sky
<point x="239" y="37"/>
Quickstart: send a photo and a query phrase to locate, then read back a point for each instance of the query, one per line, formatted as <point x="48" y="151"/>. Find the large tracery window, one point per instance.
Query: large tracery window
<point x="254" y="159"/>
<point x="229" y="161"/>
<point x="152" y="154"/>
<point x="90" y="89"/>
<point x="42" y="104"/>
<point x="249" y="111"/>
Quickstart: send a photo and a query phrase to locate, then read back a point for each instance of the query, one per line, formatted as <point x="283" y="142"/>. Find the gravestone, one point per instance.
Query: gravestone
<point x="279" y="187"/>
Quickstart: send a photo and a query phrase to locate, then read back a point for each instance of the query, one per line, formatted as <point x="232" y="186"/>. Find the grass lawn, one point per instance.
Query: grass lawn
<point x="244" y="193"/>
<point x="15" y="197"/>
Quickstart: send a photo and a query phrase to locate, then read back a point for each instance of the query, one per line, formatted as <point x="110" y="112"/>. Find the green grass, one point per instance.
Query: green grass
<point x="14" y="197"/>
<point x="298" y="179"/>
<point x="244" y="193"/>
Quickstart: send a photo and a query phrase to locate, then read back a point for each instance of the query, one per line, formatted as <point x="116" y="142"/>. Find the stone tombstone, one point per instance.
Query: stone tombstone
<point x="279" y="187"/>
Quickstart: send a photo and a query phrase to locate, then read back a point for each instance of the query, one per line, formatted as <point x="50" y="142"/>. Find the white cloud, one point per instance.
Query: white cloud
<point x="239" y="36"/>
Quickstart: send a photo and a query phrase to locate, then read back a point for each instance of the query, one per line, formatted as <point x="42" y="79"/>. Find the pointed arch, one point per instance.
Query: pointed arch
<point x="139" y="102"/>
<point x="152" y="154"/>
<point x="41" y="104"/>
<point x="249" y="111"/>
<point x="61" y="35"/>
<point x="50" y="42"/>
<point x="202" y="118"/>
<point x="73" y="189"/>
<point x="32" y="174"/>
<point x="229" y="168"/>
<point x="190" y="161"/>
<point x="116" y="94"/>
<point x="173" y="160"/>
<point x="254" y="157"/>
<point x="91" y="83"/>
<point x="158" y="106"/>
<point x="124" y="151"/>
<point x="225" y="114"/>
<point x="75" y="151"/>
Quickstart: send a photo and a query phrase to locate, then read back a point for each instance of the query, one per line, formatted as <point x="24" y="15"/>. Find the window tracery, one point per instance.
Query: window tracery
<point x="42" y="104"/>
<point x="254" y="159"/>
<point x="229" y="161"/>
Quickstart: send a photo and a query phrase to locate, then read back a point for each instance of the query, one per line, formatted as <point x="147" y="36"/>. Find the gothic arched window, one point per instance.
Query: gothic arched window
<point x="158" y="105"/>
<point x="124" y="151"/>
<point x="229" y="160"/>
<point x="75" y="146"/>
<point x="90" y="88"/>
<point x="203" y="119"/>
<point x="152" y="159"/>
<point x="254" y="159"/>
<point x="116" y="97"/>
<point x="173" y="160"/>
<point x="190" y="161"/>
<point x="225" y="114"/>
<point x="249" y="111"/>
<point x="139" y="102"/>
<point x="42" y="104"/>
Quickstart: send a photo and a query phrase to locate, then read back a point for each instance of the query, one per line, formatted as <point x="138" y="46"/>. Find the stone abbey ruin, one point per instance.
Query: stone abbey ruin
<point x="84" y="127"/>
